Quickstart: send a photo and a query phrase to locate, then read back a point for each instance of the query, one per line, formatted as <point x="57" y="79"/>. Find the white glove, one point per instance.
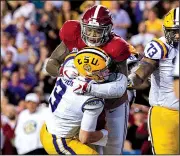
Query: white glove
<point x="68" y="72"/>
<point x="81" y="86"/>
<point x="130" y="81"/>
<point x="131" y="95"/>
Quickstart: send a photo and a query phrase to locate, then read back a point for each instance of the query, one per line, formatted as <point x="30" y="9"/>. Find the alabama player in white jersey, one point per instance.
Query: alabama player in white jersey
<point x="158" y="59"/>
<point x="73" y="117"/>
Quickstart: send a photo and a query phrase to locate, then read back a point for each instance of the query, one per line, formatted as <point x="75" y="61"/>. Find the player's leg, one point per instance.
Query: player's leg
<point x="79" y="148"/>
<point x="117" y="120"/>
<point x="47" y="141"/>
<point x="163" y="127"/>
<point x="62" y="146"/>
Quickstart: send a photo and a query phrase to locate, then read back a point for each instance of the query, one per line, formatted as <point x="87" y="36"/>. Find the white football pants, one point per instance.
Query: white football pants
<point x="117" y="122"/>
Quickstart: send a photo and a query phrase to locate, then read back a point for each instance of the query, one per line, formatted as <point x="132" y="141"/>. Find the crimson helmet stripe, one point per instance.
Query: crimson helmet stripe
<point x="96" y="12"/>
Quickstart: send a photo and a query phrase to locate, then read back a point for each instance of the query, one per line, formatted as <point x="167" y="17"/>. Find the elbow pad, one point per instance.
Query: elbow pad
<point x="114" y="89"/>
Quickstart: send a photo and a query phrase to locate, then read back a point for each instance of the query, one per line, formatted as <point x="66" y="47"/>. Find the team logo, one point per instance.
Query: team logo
<point x="30" y="126"/>
<point x="87" y="67"/>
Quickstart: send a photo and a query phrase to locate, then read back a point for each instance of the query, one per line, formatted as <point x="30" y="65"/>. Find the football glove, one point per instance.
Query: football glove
<point x="68" y="72"/>
<point x="81" y="86"/>
<point x="129" y="84"/>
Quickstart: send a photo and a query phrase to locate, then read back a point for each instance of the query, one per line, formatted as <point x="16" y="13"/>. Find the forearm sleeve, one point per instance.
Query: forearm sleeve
<point x="56" y="59"/>
<point x="145" y="69"/>
<point x="114" y="89"/>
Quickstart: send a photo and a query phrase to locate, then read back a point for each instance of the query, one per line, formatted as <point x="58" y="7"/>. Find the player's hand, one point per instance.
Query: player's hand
<point x="81" y="86"/>
<point x="129" y="84"/>
<point x="68" y="72"/>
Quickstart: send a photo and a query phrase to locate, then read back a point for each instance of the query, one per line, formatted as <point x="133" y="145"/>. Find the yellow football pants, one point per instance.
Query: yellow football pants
<point x="62" y="146"/>
<point x="164" y="130"/>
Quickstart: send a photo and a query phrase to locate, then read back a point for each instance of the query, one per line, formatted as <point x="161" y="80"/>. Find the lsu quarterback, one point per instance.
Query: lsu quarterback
<point x="72" y="121"/>
<point x="95" y="30"/>
<point x="158" y="61"/>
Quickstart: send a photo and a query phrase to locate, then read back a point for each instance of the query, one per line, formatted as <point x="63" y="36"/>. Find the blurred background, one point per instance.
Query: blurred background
<point x="29" y="34"/>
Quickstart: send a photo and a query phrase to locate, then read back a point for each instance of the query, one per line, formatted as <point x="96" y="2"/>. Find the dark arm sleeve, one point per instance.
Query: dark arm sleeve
<point x="56" y="59"/>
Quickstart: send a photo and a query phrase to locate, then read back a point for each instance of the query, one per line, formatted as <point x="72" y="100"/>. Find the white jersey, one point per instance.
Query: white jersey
<point x="176" y="67"/>
<point x="27" y="130"/>
<point x="161" y="92"/>
<point x="67" y="109"/>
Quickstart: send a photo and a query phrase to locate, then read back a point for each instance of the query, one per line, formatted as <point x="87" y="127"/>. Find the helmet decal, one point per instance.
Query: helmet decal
<point x="93" y="63"/>
<point x="96" y="12"/>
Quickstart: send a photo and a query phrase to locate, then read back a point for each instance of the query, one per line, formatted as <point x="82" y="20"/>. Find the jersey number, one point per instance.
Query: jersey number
<point x="152" y="50"/>
<point x="57" y="94"/>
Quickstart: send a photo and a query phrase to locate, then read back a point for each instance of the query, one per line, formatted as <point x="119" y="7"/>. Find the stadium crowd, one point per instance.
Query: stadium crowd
<point x="29" y="34"/>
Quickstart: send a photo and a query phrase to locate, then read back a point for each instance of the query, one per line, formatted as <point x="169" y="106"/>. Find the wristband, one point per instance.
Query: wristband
<point x="104" y="132"/>
<point x="103" y="140"/>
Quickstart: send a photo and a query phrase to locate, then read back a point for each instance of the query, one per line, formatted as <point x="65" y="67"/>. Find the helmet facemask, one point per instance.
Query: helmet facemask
<point x="102" y="34"/>
<point x="171" y="35"/>
<point x="101" y="75"/>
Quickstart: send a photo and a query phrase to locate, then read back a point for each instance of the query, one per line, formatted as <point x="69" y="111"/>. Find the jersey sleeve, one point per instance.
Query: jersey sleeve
<point x="156" y="50"/>
<point x="69" y="33"/>
<point x="113" y="89"/>
<point x="93" y="103"/>
<point x="92" y="109"/>
<point x="121" y="49"/>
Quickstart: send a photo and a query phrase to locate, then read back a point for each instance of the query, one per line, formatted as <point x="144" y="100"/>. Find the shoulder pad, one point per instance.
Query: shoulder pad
<point x="69" y="30"/>
<point x="117" y="48"/>
<point x="93" y="103"/>
<point x="156" y="49"/>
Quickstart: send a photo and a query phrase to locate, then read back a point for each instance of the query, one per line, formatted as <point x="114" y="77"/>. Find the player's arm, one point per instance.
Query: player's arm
<point x="153" y="52"/>
<point x="68" y="34"/>
<point x="121" y="67"/>
<point x="67" y="69"/>
<point x="92" y="109"/>
<point x="145" y="69"/>
<point x="56" y="59"/>
<point x="114" y="89"/>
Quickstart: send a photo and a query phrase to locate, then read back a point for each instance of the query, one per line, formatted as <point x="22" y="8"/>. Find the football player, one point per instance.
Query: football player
<point x="159" y="55"/>
<point x="95" y="29"/>
<point x="71" y="112"/>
